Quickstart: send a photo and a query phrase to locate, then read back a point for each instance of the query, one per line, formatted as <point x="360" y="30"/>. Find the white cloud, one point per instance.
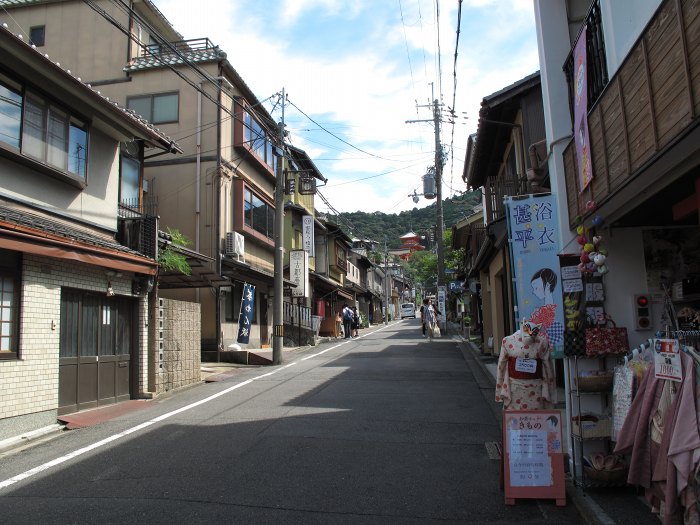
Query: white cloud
<point x="361" y="88"/>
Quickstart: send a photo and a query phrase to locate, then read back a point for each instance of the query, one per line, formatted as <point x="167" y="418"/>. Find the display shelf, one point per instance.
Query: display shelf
<point x="579" y="438"/>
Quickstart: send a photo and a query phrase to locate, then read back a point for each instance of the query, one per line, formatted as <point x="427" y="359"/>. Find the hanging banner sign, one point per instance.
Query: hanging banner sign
<point x="533" y="455"/>
<point x="245" y="317"/>
<point x="299" y="272"/>
<point x="307" y="231"/>
<point x="583" y="146"/>
<point x="534" y="244"/>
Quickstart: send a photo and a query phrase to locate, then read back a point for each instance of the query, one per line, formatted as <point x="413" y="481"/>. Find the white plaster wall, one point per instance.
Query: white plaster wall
<point x="627" y="277"/>
<point x="623" y="22"/>
<point x="554" y="46"/>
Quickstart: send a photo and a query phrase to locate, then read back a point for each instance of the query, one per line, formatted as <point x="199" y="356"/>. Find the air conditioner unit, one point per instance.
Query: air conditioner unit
<point x="235" y="244"/>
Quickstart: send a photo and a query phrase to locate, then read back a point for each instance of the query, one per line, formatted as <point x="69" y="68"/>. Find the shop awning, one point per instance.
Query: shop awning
<point x="243" y="271"/>
<point x="202" y="275"/>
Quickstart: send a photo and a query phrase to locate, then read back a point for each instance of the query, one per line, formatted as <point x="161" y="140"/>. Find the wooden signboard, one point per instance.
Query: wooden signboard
<point x="533" y="458"/>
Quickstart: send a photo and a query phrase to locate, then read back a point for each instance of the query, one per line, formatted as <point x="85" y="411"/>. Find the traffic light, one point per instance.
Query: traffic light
<point x="642" y="312"/>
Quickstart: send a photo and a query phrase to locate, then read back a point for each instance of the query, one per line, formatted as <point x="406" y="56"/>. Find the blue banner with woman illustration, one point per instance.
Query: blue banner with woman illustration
<point x="534" y="245"/>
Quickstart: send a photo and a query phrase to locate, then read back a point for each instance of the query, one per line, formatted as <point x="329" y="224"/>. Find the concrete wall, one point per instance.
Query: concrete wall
<point x="181" y="351"/>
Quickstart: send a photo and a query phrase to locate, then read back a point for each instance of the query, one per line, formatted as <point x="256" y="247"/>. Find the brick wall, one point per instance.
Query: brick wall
<point x="29" y="385"/>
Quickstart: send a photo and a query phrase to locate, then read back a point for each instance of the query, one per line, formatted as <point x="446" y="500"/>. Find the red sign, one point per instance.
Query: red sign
<point x="533" y="457"/>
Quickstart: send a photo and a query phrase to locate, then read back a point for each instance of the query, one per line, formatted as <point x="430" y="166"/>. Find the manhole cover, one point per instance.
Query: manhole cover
<point x="493" y="449"/>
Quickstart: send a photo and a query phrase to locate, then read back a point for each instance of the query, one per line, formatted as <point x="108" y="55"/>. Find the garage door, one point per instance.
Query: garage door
<point x="95" y="350"/>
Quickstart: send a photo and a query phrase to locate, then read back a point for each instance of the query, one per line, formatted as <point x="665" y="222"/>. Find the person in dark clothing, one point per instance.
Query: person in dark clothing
<point x="347" y="320"/>
<point x="355" y="322"/>
<point x="422" y="314"/>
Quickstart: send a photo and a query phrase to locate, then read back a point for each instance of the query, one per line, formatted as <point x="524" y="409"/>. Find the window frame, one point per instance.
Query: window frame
<point x="152" y="97"/>
<point x="71" y="121"/>
<point x="43" y="35"/>
<point x="257" y="139"/>
<point x="14" y="273"/>
<point x="249" y="213"/>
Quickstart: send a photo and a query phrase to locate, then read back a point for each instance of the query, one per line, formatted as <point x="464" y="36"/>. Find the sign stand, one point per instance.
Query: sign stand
<point x="533" y="459"/>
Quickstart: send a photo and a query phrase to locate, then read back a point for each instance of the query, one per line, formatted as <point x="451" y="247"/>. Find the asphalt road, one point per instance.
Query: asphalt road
<point x="387" y="428"/>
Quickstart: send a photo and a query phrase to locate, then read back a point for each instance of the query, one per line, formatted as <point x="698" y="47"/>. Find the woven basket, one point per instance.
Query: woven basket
<point x="595" y="381"/>
<point x="606" y="476"/>
<point x="591" y="429"/>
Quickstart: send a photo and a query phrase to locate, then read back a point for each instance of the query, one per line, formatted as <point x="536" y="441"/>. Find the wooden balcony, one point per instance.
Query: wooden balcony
<point x="650" y="104"/>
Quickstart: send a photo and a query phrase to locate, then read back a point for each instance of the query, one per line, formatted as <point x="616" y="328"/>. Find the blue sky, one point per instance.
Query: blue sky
<point x="359" y="69"/>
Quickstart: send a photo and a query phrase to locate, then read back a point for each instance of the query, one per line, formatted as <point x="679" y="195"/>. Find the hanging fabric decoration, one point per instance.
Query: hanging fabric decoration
<point x="245" y="317"/>
<point x="593" y="255"/>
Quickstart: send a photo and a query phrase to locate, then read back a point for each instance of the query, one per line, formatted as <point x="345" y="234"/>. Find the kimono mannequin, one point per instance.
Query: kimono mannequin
<point x="525" y="379"/>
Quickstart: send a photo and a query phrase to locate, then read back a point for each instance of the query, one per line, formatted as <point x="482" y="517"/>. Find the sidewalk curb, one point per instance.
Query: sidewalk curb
<point x="591" y="513"/>
<point x="12" y="443"/>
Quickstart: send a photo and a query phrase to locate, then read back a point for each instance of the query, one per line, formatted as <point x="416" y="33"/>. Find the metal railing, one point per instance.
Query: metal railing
<point x="296" y="315"/>
<point x="182" y="46"/>
<point x="596" y="66"/>
<point x="137" y="225"/>
<point x="498" y="188"/>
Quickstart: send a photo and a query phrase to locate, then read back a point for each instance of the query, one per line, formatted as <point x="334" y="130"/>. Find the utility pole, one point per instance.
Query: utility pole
<point x="277" y="312"/>
<point x="440" y="226"/>
<point x="386" y="284"/>
<point x="438" y="183"/>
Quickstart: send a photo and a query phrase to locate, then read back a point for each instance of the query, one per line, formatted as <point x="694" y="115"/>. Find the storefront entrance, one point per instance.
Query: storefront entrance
<point x="95" y="350"/>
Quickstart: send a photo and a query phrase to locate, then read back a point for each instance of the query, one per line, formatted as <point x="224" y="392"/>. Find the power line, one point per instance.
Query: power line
<point x="454" y="92"/>
<point x="336" y="136"/>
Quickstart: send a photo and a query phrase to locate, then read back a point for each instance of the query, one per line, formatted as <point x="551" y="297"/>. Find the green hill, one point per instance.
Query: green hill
<point x="379" y="226"/>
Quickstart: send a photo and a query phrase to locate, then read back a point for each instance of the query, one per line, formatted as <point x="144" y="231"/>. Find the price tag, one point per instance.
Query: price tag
<point x="667" y="360"/>
<point x="526" y="365"/>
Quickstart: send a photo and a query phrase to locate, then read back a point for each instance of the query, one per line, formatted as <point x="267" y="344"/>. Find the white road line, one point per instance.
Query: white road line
<point x="76" y="453"/>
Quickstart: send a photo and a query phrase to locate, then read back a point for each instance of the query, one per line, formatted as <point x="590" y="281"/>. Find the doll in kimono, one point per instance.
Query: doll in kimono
<point x="525" y="378"/>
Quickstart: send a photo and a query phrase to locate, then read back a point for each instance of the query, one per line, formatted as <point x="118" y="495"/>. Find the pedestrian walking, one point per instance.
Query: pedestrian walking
<point x="423" y="314"/>
<point x="355" y="322"/>
<point x="347" y="320"/>
<point x="430" y="315"/>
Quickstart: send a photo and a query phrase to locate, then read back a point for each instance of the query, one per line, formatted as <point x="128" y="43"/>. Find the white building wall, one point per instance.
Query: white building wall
<point x="623" y="22"/>
<point x="554" y="46"/>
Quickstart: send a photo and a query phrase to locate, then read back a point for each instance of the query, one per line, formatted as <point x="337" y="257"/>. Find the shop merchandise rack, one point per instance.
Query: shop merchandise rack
<point x="599" y="437"/>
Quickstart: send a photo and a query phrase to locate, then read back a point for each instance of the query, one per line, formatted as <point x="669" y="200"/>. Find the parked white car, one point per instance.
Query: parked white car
<point x="408" y="310"/>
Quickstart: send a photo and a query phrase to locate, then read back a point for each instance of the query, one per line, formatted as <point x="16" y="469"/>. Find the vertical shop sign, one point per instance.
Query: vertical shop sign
<point x="534" y="458"/>
<point x="534" y="244"/>
<point x="307" y="232"/>
<point x="299" y="272"/>
<point x="442" y="303"/>
<point x="583" y="147"/>
<point x="245" y="317"/>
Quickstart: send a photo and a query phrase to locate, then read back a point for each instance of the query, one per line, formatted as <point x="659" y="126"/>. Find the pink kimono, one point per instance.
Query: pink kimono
<point x="525" y="379"/>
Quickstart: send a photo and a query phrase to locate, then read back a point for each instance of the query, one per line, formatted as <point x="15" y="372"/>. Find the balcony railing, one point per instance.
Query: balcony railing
<point x="137" y="225"/>
<point x="649" y="105"/>
<point x="597" y="68"/>
<point x="181" y="46"/>
<point x="496" y="189"/>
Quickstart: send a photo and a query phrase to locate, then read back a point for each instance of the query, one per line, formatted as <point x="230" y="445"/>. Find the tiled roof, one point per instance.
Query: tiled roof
<point x="128" y="114"/>
<point x="60" y="229"/>
<point x="171" y="59"/>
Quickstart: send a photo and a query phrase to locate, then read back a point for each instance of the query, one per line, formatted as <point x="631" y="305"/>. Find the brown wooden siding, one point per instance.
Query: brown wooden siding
<point x="652" y="99"/>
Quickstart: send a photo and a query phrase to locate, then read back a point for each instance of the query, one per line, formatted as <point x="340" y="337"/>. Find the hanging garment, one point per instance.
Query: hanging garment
<point x="664" y="468"/>
<point x="623" y="386"/>
<point x="525" y="378"/>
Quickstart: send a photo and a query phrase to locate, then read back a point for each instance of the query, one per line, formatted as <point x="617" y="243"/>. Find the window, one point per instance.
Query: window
<point x="129" y="184"/>
<point x="258" y="215"/>
<point x="52" y="136"/>
<point x="157" y="109"/>
<point x="10" y="271"/>
<point x="36" y="35"/>
<point x="257" y="140"/>
<point x="10" y="115"/>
